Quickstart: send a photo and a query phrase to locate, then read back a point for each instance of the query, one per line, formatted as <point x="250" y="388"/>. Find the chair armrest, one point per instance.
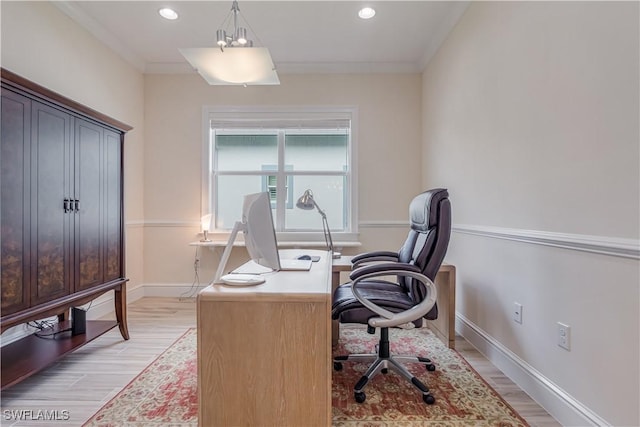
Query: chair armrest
<point x="384" y="269"/>
<point x="374" y="257"/>
<point x="388" y="318"/>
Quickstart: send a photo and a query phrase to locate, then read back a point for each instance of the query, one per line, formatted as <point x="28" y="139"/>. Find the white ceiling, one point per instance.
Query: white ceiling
<point x="302" y="36"/>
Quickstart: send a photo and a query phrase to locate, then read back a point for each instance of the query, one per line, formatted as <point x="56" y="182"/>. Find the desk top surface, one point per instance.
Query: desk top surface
<point x="311" y="285"/>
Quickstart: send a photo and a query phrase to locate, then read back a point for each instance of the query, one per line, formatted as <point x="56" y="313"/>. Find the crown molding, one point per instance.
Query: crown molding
<point x="303" y="68"/>
<point x="169" y="68"/>
<point x="443" y="31"/>
<point x="70" y="9"/>
<point x="347" y="67"/>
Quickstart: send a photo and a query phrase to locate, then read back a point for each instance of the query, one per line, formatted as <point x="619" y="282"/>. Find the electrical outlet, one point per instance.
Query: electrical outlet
<point x="517" y="312"/>
<point x="564" y="336"/>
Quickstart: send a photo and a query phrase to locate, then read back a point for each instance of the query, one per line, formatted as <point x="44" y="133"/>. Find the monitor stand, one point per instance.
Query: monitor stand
<point x="234" y="279"/>
<point x="238" y="226"/>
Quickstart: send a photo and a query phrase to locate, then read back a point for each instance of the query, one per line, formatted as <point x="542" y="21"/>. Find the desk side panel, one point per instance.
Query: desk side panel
<point x="264" y="361"/>
<point x="444" y="326"/>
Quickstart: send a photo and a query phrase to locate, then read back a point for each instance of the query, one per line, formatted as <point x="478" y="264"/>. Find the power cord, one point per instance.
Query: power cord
<point x="51" y="335"/>
<point x="195" y="285"/>
<point x="42" y="325"/>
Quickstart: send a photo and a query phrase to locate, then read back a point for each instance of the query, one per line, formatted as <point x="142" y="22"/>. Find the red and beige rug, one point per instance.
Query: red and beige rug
<point x="165" y="393"/>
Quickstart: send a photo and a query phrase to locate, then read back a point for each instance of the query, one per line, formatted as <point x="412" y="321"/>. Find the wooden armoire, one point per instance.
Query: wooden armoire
<point x="62" y="236"/>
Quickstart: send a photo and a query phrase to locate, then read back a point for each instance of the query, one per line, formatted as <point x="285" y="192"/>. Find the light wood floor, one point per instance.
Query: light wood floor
<point x="82" y="382"/>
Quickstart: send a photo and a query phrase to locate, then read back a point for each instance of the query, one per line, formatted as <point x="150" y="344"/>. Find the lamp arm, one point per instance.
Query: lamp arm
<point x="320" y="211"/>
<point x="327" y="233"/>
<point x="325" y="227"/>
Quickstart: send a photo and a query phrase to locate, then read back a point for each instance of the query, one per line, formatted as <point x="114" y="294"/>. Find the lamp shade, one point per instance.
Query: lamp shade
<point x="306" y="201"/>
<point x="234" y="66"/>
<point x="206" y="222"/>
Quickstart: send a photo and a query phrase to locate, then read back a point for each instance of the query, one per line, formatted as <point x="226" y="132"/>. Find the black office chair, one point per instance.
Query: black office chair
<point x="380" y="303"/>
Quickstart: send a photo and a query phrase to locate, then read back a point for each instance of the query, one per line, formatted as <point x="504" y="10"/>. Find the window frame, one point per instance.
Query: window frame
<point x="288" y="186"/>
<point x="284" y="113"/>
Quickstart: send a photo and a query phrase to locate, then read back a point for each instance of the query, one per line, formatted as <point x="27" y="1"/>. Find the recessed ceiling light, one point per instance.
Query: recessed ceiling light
<point x="367" y="13"/>
<point x="167" y="13"/>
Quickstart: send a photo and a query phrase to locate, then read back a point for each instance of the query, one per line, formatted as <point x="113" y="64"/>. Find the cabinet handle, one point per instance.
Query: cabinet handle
<point x="65" y="205"/>
<point x="77" y="205"/>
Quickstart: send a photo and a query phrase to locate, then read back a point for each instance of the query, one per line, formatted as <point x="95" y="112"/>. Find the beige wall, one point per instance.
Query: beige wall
<point x="530" y="118"/>
<point x="45" y="46"/>
<point x="388" y="146"/>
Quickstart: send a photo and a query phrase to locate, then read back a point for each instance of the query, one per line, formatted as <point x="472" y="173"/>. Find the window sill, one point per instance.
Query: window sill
<point x="286" y="244"/>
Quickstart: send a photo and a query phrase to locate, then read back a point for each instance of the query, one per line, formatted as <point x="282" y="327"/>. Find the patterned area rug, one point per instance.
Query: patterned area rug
<point x="165" y="393"/>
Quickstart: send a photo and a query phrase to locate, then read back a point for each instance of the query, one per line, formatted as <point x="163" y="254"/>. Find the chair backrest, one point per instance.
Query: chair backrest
<point x="428" y="239"/>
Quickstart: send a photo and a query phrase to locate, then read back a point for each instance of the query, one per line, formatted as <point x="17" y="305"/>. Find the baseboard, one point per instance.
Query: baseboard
<point x="134" y="293"/>
<point x="103" y="305"/>
<point x="173" y="290"/>
<point x="557" y="402"/>
<point x="17" y="332"/>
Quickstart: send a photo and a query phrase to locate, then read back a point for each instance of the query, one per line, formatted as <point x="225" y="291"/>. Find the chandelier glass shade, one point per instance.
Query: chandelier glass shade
<point x="235" y="60"/>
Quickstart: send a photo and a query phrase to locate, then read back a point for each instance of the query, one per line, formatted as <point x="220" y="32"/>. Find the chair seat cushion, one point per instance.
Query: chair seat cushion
<point x="385" y="294"/>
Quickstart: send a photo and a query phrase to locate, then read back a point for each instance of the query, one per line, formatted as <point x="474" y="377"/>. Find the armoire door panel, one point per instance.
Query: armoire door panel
<point x="113" y="206"/>
<point x="51" y="135"/>
<point x="88" y="216"/>
<point x="14" y="205"/>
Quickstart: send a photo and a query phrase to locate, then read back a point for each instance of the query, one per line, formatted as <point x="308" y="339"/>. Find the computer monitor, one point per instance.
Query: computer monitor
<point x="259" y="234"/>
<point x="260" y="241"/>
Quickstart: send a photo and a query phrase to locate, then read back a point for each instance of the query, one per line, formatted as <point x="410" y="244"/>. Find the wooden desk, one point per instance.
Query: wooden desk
<point x="264" y="352"/>
<point x="443" y="327"/>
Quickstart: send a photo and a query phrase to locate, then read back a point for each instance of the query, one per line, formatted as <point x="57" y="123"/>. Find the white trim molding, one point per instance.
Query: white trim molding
<point x="175" y="223"/>
<point x="613" y="246"/>
<point x="73" y="11"/>
<point x="163" y="223"/>
<point x="384" y="224"/>
<point x="556" y="401"/>
<point x="173" y="290"/>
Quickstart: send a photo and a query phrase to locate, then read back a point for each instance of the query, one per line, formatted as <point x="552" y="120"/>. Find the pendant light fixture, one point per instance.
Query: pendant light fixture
<point x="236" y="61"/>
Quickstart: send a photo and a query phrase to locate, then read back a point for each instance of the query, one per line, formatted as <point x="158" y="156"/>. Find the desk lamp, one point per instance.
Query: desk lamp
<point x="206" y="226"/>
<point x="307" y="202"/>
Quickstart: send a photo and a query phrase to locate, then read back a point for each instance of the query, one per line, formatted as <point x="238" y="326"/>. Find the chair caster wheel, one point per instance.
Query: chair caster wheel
<point x="337" y="366"/>
<point x="431" y="367"/>
<point x="384" y="370"/>
<point x="360" y="396"/>
<point x="428" y="399"/>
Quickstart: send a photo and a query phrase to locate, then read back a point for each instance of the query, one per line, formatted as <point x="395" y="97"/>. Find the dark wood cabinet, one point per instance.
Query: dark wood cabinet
<point x="90" y="205"/>
<point x="15" y="205"/>
<point x="50" y="226"/>
<point x="62" y="235"/>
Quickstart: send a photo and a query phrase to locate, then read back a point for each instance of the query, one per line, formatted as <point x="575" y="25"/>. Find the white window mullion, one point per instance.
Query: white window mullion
<point x="281" y="192"/>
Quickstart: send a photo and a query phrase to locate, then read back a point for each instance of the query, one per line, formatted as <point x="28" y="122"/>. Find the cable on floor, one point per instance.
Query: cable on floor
<point x="195" y="285"/>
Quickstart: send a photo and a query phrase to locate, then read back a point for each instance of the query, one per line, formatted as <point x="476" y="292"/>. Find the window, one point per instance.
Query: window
<point x="283" y="152"/>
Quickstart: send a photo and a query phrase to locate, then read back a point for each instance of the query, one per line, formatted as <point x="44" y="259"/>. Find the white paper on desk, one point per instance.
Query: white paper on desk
<point x="251" y="267"/>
